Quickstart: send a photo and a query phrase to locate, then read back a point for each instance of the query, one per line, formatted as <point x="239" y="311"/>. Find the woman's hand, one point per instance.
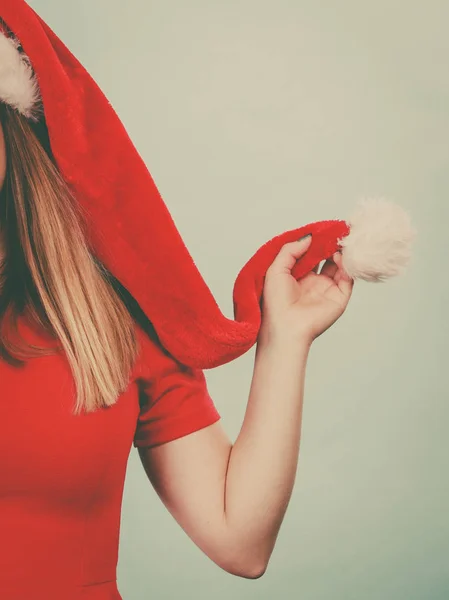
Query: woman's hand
<point x="306" y="308"/>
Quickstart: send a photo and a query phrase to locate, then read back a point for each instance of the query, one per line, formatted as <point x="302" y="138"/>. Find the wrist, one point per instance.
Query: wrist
<point x="284" y="338"/>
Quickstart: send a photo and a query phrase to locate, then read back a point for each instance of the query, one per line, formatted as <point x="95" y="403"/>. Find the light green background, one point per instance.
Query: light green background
<point x="256" y="117"/>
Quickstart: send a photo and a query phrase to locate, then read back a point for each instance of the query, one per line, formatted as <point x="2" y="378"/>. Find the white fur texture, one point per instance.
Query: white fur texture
<point x="18" y="85"/>
<point x="379" y="243"/>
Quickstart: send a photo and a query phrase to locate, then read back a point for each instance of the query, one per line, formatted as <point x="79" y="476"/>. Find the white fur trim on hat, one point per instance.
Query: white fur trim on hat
<point x="18" y="84"/>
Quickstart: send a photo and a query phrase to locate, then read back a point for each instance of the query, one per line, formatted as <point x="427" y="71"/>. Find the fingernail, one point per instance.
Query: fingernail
<point x="304" y="237"/>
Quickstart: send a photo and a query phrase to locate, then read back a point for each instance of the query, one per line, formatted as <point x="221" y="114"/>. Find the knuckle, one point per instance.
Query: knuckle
<point x="273" y="269"/>
<point x="270" y="271"/>
<point x="285" y="250"/>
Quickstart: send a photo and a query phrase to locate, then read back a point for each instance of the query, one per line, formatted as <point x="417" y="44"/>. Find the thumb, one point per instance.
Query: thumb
<point x="288" y="256"/>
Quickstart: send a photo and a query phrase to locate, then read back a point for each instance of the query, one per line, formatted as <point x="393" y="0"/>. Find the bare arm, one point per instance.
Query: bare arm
<point x="231" y="499"/>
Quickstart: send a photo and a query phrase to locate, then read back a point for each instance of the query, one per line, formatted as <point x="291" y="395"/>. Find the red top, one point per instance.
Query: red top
<point x="62" y="476"/>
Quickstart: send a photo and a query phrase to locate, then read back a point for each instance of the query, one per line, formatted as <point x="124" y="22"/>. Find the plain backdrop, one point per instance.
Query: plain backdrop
<point x="255" y="117"/>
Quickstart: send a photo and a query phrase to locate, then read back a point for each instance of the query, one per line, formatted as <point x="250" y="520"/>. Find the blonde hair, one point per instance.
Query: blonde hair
<point x="50" y="273"/>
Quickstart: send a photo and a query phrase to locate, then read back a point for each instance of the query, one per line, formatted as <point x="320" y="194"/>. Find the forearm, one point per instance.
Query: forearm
<point x="263" y="461"/>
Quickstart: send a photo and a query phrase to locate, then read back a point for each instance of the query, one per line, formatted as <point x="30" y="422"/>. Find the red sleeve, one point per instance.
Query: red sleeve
<point x="174" y="399"/>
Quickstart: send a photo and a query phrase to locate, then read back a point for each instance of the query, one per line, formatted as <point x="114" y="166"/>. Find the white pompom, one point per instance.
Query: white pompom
<point x="379" y="243"/>
<point x="18" y="83"/>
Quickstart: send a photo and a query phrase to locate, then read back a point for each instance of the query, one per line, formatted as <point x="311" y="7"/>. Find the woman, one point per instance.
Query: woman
<point x="65" y="432"/>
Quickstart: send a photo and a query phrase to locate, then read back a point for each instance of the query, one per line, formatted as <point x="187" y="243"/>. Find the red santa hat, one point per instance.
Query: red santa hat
<point x="128" y="224"/>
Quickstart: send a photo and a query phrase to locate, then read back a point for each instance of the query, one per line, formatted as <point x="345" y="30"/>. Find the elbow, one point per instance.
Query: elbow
<point x="253" y="571"/>
<point x="246" y="568"/>
<point x="248" y="559"/>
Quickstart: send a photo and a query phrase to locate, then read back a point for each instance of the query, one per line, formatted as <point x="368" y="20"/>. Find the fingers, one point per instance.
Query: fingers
<point x="341" y="278"/>
<point x="288" y="255"/>
<point x="329" y="268"/>
<point x="291" y="252"/>
<point x="338" y="260"/>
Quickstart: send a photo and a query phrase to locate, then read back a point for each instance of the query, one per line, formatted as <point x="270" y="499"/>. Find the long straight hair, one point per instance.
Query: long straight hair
<point x="49" y="273"/>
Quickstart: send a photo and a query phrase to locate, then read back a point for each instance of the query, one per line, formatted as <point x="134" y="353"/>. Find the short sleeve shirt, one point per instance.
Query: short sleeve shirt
<point x="62" y="475"/>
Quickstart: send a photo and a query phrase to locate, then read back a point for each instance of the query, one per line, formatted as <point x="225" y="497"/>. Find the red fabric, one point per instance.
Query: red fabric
<point x="129" y="226"/>
<point x="62" y="476"/>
